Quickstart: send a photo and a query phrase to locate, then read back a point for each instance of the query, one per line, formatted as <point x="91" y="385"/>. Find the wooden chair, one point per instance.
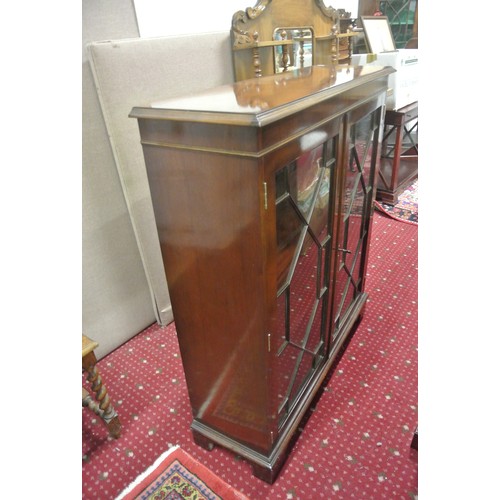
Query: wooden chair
<point x="101" y="406"/>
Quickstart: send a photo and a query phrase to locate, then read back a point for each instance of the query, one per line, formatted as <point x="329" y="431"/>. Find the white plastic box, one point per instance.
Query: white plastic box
<point x="403" y="85"/>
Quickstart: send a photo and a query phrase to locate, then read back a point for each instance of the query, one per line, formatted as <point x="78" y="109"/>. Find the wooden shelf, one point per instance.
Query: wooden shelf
<point x="269" y="43"/>
<point x="346" y="35"/>
<point x="324" y="37"/>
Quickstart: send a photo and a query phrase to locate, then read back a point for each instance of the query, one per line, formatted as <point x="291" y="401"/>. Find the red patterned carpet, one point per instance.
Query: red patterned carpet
<point x="356" y="443"/>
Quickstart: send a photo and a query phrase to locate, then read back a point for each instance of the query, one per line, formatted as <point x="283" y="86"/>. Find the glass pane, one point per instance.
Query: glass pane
<point x="281" y="183"/>
<point x="401" y="16"/>
<point x="284" y="362"/>
<point x="303" y="315"/>
<point x="303" y="212"/>
<point x="304" y="178"/>
<point x="354" y="217"/>
<point x="348" y="296"/>
<point x="289" y="227"/>
<point x="304" y="297"/>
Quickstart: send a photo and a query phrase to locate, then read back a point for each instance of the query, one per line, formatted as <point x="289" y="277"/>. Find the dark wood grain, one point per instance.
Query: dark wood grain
<point x="212" y="176"/>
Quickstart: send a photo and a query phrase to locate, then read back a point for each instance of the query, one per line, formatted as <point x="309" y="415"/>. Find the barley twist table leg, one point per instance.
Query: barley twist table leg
<point x="88" y="402"/>
<point x="101" y="393"/>
<point x="104" y="408"/>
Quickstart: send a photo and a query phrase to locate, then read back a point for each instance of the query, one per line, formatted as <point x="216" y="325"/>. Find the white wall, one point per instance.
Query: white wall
<point x="160" y="18"/>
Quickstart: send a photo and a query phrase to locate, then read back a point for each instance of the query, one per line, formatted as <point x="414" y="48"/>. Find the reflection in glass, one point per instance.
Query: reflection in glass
<point x="303" y="238"/>
<point x="296" y="49"/>
<point x="358" y="182"/>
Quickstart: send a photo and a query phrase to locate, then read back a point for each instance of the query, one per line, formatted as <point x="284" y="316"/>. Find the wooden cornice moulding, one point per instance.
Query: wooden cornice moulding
<point x="256" y="101"/>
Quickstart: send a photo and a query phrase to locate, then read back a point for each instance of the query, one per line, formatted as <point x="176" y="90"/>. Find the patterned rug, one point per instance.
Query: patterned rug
<point x="176" y="475"/>
<point x="406" y="208"/>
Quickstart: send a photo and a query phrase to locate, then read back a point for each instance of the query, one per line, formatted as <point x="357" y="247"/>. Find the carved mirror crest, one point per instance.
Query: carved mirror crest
<point x="281" y="35"/>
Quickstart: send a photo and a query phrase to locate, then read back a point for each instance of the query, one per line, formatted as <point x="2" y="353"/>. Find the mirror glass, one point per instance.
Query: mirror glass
<point x="296" y="49"/>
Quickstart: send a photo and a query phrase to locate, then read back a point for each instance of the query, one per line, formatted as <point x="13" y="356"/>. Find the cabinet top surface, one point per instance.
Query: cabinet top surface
<point x="258" y="101"/>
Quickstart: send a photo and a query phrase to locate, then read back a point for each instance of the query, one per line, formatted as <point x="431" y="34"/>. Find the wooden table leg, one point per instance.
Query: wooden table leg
<point x="398" y="159"/>
<point x="103" y="408"/>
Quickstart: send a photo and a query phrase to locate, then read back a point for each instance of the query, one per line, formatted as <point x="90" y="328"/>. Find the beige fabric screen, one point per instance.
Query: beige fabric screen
<point x="134" y="72"/>
<point x="116" y="300"/>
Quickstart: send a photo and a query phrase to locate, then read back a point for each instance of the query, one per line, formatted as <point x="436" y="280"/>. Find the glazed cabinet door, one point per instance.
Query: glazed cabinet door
<point x="354" y="209"/>
<point x="304" y="215"/>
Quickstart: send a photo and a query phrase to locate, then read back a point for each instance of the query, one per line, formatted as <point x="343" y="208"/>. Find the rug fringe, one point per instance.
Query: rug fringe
<point x="144" y="474"/>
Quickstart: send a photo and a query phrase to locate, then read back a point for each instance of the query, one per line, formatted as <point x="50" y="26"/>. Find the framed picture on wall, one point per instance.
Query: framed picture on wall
<point x="378" y="34"/>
